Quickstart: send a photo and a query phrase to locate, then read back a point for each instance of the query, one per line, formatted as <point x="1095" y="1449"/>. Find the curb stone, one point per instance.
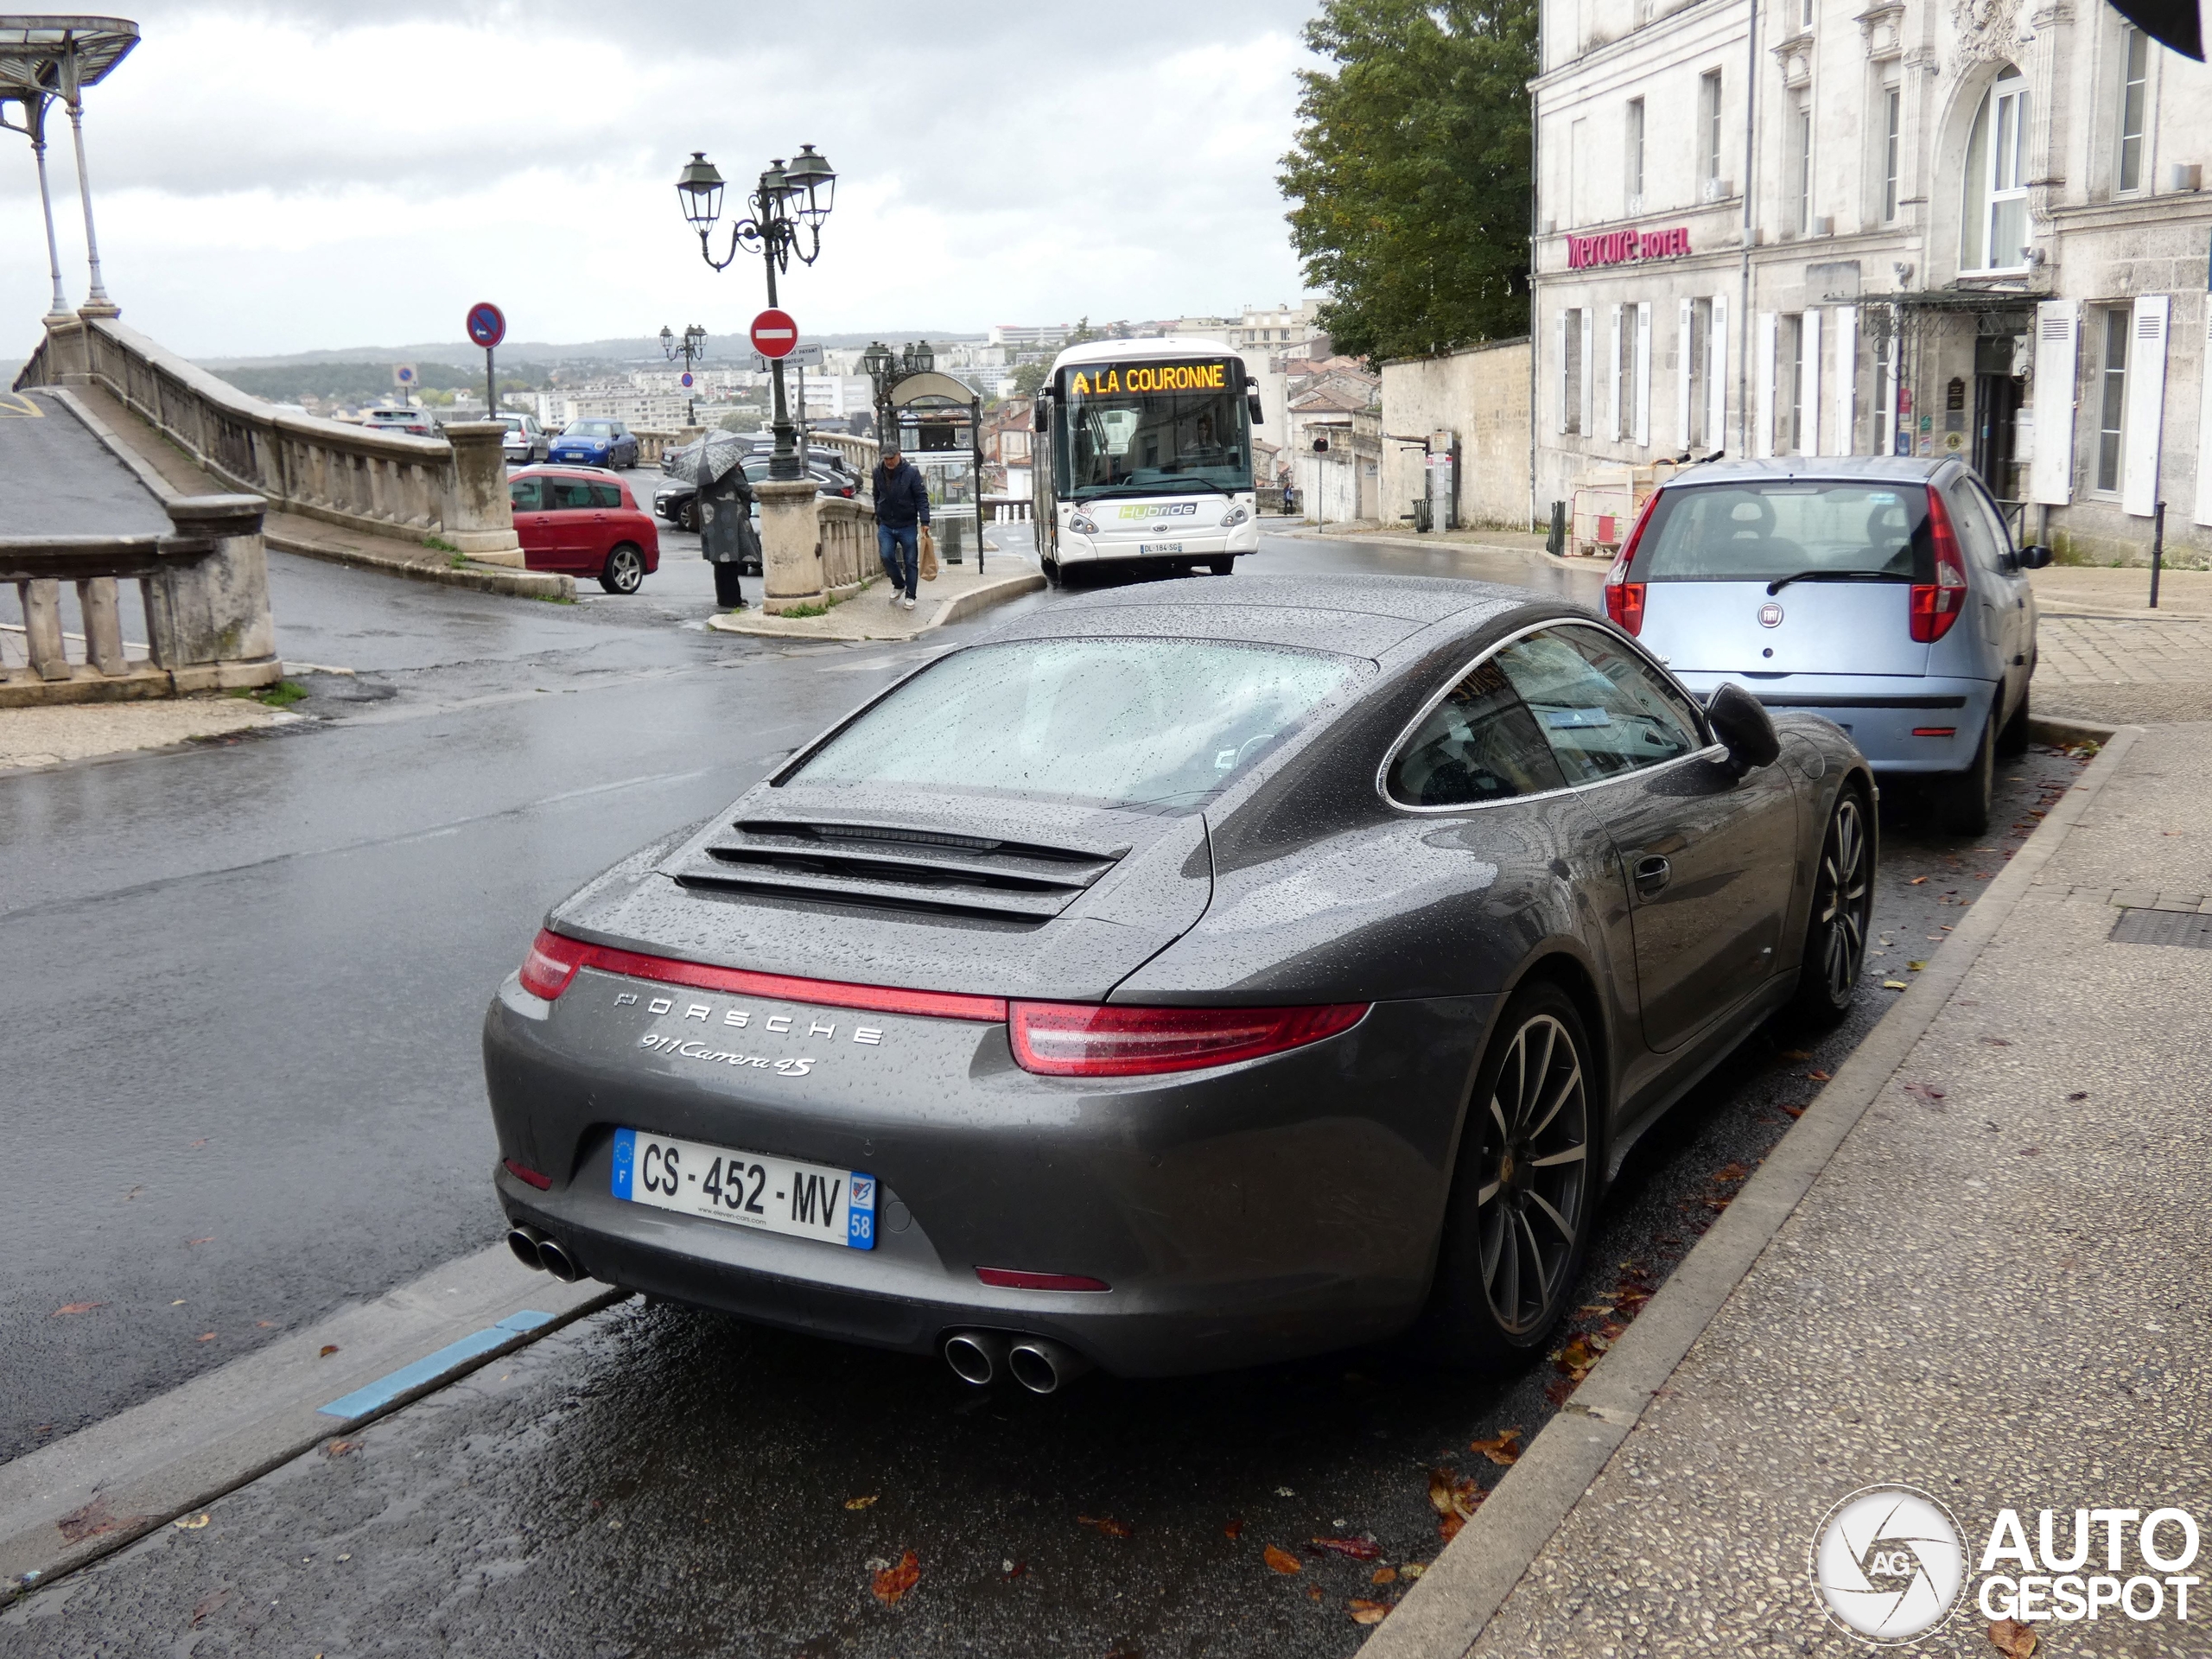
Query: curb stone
<point x="484" y="578"/>
<point x="1449" y="1606"/>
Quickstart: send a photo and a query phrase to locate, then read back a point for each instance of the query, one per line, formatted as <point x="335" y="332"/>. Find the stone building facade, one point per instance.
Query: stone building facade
<point x="1880" y="227"/>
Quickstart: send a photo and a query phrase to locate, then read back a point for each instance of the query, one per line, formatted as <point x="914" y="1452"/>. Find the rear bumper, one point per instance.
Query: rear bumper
<point x="1881" y="712"/>
<point x="1242" y="1215"/>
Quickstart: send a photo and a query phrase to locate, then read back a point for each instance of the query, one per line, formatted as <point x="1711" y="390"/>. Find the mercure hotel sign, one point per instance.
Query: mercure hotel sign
<point x="1626" y="247"/>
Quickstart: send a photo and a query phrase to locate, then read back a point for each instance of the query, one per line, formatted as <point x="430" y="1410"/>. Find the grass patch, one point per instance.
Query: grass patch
<point x="461" y="560"/>
<point x="805" y="610"/>
<point x="282" y="695"/>
<point x="439" y="545"/>
<point x="554" y="599"/>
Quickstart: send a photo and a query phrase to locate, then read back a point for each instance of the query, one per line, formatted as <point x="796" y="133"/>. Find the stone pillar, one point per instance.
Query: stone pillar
<point x="209" y="621"/>
<point x="480" y="518"/>
<point x="791" y="545"/>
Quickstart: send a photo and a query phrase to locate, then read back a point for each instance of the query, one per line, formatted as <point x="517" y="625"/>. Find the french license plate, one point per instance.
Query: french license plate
<point x="747" y="1189"/>
<point x="1159" y="547"/>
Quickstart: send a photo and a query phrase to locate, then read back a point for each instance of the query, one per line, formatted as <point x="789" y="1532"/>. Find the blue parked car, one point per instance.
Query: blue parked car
<point x="1886" y="594"/>
<point x="595" y="443"/>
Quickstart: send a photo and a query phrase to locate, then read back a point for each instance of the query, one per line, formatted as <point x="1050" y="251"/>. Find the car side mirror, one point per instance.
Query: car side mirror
<point x="1039" y="415"/>
<point x="1741" y="722"/>
<point x="2031" y="558"/>
<point x="1252" y="404"/>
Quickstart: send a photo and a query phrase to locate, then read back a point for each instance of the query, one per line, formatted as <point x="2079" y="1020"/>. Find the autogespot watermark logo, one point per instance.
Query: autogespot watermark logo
<point x="1890" y="1563"/>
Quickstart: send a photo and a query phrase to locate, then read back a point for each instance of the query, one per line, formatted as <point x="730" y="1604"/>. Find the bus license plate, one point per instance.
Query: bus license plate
<point x="1159" y="547"/>
<point x="747" y="1189"/>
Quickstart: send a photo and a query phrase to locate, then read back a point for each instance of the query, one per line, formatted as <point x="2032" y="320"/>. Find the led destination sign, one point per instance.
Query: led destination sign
<point x="1107" y="379"/>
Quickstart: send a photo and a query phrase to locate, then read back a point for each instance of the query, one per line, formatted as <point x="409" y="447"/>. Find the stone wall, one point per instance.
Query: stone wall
<point x="1480" y="394"/>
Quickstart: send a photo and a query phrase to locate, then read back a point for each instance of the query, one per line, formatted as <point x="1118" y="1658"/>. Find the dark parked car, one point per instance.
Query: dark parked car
<point x="679" y="502"/>
<point x="595" y="443"/>
<point x="585" y="522"/>
<point x="1170" y="983"/>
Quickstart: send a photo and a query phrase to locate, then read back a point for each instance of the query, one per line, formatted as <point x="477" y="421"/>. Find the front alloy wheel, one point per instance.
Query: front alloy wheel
<point x="626" y="570"/>
<point x="1843" y="903"/>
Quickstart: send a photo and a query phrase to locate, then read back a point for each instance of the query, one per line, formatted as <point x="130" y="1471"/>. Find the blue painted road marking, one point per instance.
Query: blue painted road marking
<point x="430" y="1367"/>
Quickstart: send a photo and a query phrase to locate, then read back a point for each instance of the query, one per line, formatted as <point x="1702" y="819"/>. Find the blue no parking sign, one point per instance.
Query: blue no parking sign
<point x="487" y="324"/>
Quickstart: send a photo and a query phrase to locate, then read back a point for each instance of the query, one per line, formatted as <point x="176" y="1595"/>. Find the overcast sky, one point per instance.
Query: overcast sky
<point x="324" y="174"/>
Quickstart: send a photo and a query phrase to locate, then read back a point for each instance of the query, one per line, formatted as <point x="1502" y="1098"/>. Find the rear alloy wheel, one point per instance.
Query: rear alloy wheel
<point x="1521" y="1199"/>
<point x="626" y="570"/>
<point x="2013" y="739"/>
<point x="687" y="516"/>
<point x="1961" y="799"/>
<point x="1843" y="903"/>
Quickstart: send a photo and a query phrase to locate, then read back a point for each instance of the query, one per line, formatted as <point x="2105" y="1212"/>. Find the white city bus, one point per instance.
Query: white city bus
<point x="1144" y="455"/>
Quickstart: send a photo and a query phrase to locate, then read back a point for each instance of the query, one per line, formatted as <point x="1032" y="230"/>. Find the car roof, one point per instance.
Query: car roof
<point x="1349" y="615"/>
<point x="1904" y="469"/>
<point x="565" y="469"/>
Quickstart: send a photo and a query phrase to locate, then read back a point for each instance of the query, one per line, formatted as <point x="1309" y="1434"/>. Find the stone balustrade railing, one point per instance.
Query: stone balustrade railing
<point x="847" y="538"/>
<point x="1009" y="509"/>
<point x="861" y="454"/>
<point x="387" y="482"/>
<point x="651" y="446"/>
<point x="204" y="588"/>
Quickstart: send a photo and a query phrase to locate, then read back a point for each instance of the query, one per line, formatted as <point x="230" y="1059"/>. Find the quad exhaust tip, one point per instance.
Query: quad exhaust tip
<point x="559" y="1262"/>
<point x="1038" y="1363"/>
<point x="525" y="1243"/>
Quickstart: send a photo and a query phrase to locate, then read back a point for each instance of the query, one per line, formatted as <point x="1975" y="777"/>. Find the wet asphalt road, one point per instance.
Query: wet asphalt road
<point x="279" y="949"/>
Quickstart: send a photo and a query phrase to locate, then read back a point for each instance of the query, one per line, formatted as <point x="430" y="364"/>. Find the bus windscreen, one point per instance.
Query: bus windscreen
<point x="1150" y="428"/>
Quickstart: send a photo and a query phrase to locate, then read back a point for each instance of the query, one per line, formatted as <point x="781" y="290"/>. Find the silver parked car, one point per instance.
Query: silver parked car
<point x="525" y="440"/>
<point x="1884" y="594"/>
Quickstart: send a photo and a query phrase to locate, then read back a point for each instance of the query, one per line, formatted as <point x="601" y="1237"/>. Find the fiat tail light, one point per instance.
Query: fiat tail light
<point x="1076" y="1039"/>
<point x="1624" y="598"/>
<point x="1936" y="605"/>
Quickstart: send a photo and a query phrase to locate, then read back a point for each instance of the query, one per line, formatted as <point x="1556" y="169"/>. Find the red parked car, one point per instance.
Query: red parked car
<point x="584" y="521"/>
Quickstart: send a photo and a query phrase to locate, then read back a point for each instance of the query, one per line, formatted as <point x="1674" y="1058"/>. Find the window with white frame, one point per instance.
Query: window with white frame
<point x="1994" y="233"/>
<point x="2134" y="100"/>
<point x="1696" y="346"/>
<point x="1570" y="374"/>
<point x="1708" y="133"/>
<point x="2115" y="321"/>
<point x="1626" y="390"/>
<point x="1797" y="165"/>
<point x="1793" y="357"/>
<point x="1892" y="129"/>
<point x="1634" y="167"/>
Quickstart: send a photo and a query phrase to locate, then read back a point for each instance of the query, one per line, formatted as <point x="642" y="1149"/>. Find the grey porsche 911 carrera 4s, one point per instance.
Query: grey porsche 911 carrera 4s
<point x="1180" y="978"/>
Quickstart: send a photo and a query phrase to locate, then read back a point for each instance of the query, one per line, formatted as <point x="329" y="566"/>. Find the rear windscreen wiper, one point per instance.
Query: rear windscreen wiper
<point x="1781" y="582"/>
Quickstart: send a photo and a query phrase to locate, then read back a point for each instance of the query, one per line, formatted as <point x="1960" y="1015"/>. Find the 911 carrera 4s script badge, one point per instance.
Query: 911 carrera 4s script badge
<point x="743" y="1019"/>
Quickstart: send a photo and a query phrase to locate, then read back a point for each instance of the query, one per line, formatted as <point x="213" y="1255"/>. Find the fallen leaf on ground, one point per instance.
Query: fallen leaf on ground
<point x="190" y="1523"/>
<point x="892" y="1582"/>
<point x="1455" y="1497"/>
<point x="1916" y="880"/>
<point x="1576" y="1359"/>
<point x="2030" y="1152"/>
<point x="1730" y="1172"/>
<point x="340" y="1448"/>
<point x="264" y="1324"/>
<point x="1012" y="1569"/>
<point x="78" y="1307"/>
<point x="1107" y="1525"/>
<point x="2013" y="1639"/>
<point x="1793" y="1112"/>
<point x="1796" y="1053"/>
<point x="1817" y="1077"/>
<point x="210" y="1239"/>
<point x="329" y="1349"/>
<point x="1384" y="1575"/>
<point x="1360" y="1549"/>
<point x="1557" y="1390"/>
<point x="1281" y="1560"/>
<point x="1999" y="1042"/>
<point x="1499" y="1448"/>
<point x="2079" y="1094"/>
<point x="1368" y="1612"/>
<point x="1918" y="966"/>
<point x="1895" y="985"/>
<point x="1925" y="1090"/>
<point x="1312" y="1593"/>
<point x="91" y="1522"/>
<point x="208" y="1604"/>
<point x="1233" y="1530"/>
<point x="204" y="1336"/>
<point x="862" y="1502"/>
<point x="1413" y="1569"/>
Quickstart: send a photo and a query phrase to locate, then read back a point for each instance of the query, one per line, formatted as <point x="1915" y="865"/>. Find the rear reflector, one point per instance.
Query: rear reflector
<point x="554" y="960"/>
<point x="521" y="1173"/>
<point x="1624" y="598"/>
<point x="1014" y="1279"/>
<point x="1076" y="1039"/>
<point x="1934" y="731"/>
<point x="1936" y="605"/>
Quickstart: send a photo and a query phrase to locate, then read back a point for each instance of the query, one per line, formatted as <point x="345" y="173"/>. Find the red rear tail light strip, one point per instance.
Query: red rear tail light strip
<point x="1936" y="605"/>
<point x="1065" y="1040"/>
<point x="1624" y="598"/>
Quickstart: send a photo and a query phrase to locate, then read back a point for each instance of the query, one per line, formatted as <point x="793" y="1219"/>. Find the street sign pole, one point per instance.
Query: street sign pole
<point x="487" y="327"/>
<point x="490" y="387"/>
<point x="774" y="334"/>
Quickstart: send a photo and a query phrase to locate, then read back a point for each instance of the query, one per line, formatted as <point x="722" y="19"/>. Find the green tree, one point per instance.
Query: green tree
<point x="1409" y="182"/>
<point x="1029" y="378"/>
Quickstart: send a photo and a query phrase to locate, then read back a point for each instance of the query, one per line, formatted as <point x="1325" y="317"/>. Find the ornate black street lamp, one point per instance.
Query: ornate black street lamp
<point x="691" y="346"/>
<point x="789" y="204"/>
<point x="887" y="368"/>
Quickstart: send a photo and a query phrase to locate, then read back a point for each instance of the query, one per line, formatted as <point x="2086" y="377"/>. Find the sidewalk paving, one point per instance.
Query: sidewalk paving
<point x="959" y="591"/>
<point x="1993" y="1290"/>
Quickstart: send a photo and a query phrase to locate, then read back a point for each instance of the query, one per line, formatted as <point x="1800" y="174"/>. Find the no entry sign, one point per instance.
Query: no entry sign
<point x="774" y="334"/>
<point x="487" y="324"/>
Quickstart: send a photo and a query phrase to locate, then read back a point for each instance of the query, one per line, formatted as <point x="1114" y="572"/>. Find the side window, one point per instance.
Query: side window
<point x="607" y="495"/>
<point x="1479" y="744"/>
<point x="1603" y="711"/>
<point x="2000" y="527"/>
<point x="1976" y="526"/>
<point x="568" y="494"/>
<point x="528" y="494"/>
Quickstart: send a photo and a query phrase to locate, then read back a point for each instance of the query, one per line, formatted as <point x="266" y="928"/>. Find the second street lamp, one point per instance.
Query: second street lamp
<point x="789" y="204"/>
<point x="690" y="346"/>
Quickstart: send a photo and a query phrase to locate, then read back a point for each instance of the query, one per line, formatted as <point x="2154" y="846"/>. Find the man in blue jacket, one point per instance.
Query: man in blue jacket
<point x="902" y="505"/>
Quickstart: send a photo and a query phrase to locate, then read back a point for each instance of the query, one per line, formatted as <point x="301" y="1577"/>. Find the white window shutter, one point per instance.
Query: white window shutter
<point x="1716" y="377"/>
<point x="1642" y="432"/>
<point x="1762" y="367"/>
<point x="1885" y="417"/>
<point x="2058" y="332"/>
<point x="1843" y="430"/>
<point x="1685" y="314"/>
<point x="2146" y="406"/>
<point x="1810" y="437"/>
<point x="1614" y="425"/>
<point x="1589" y="372"/>
<point x="1566" y="392"/>
<point x="2205" y="423"/>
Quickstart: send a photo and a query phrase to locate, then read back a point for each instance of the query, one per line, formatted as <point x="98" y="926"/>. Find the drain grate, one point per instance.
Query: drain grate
<point x="2179" y="927"/>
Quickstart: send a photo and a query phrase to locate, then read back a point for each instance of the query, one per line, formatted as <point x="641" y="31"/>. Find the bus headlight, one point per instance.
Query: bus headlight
<point x="1236" y="515"/>
<point x="1081" y="525"/>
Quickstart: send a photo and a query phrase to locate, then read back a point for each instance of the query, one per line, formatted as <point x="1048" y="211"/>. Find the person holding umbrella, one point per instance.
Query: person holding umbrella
<point x="726" y="537"/>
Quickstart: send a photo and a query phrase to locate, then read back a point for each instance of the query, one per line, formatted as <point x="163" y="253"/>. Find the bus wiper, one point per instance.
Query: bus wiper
<point x="1781" y="582"/>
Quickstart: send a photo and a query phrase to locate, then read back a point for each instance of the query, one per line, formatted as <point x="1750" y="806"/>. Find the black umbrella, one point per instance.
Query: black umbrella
<point x="713" y="456"/>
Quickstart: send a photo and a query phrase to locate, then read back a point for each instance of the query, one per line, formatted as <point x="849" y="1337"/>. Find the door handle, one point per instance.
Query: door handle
<point x="1652" y="874"/>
